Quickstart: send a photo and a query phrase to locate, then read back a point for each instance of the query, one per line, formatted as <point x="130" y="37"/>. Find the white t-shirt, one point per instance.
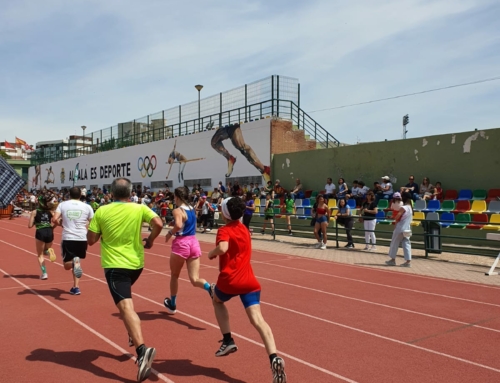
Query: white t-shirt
<point x="385" y="184"/>
<point x="75" y="215"/>
<point x="330" y="189"/>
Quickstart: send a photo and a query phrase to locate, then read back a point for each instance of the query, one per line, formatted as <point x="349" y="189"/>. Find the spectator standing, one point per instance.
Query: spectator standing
<point x="329" y="189"/>
<point x="369" y="212"/>
<point x="119" y="225"/>
<point x="268" y="214"/>
<point x="250" y="208"/>
<point x="205" y="214"/>
<point x="322" y="218"/>
<point x="236" y="189"/>
<point x="344" y="218"/>
<point x="289" y="206"/>
<point x="402" y="233"/>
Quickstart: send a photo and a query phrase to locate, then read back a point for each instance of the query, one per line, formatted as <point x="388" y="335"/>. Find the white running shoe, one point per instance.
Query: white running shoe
<point x="366" y="247"/>
<point x="145" y="361"/>
<point x="278" y="369"/>
<point x="323" y="246"/>
<point x="44" y="276"/>
<point x="374" y="248"/>
<point x="318" y="245"/>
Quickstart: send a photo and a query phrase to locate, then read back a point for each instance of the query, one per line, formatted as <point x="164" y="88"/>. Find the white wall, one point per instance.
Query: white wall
<point x="97" y="169"/>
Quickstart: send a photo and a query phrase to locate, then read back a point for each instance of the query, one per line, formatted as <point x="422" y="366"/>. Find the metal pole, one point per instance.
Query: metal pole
<point x="272" y="95"/>
<point x="246" y="104"/>
<point x="278" y="95"/>
<point x="199" y="112"/>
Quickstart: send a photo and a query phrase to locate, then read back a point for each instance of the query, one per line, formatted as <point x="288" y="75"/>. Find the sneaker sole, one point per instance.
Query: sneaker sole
<point x="73" y="293"/>
<point x="145" y="367"/>
<point x="169" y="309"/>
<point x="229" y="350"/>
<point x="279" y="375"/>
<point x="77" y="269"/>
<point x="52" y="254"/>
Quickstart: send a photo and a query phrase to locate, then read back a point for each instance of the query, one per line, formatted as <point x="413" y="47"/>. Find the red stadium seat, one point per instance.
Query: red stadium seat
<point x="451" y="194"/>
<point x="478" y="221"/>
<point x="462" y="206"/>
<point x="493" y="195"/>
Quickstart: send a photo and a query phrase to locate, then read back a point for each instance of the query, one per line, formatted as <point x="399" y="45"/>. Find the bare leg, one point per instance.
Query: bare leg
<point x="193" y="266"/>
<point x="323" y="230"/>
<point x="316" y="231"/>
<point x="131" y="321"/>
<point x="176" y="263"/>
<point x="240" y="144"/>
<point x="222" y="315"/>
<point x="69" y="266"/>
<point x="40" y="248"/>
<point x="257" y="320"/>
<point x="216" y="142"/>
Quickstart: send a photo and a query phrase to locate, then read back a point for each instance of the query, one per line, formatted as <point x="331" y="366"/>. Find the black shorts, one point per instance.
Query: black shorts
<point x="120" y="282"/>
<point x="45" y="234"/>
<point x="72" y="249"/>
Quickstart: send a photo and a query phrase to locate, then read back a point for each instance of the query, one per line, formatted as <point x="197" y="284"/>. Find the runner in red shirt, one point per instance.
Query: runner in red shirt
<point x="236" y="278"/>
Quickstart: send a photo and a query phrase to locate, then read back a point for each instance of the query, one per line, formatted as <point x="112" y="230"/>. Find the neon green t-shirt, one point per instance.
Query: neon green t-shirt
<point x="289" y="203"/>
<point x="120" y="227"/>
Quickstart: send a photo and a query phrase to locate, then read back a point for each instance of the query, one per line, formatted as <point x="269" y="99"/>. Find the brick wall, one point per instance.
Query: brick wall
<point x="284" y="139"/>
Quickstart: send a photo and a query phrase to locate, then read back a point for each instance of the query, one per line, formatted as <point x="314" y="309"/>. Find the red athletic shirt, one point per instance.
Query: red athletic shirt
<point x="236" y="274"/>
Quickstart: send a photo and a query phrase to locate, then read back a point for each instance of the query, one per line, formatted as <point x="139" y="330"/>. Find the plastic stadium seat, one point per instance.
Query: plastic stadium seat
<point x="383" y="204"/>
<point x="478" y="221"/>
<point x="420" y="205"/>
<point x="479" y="194"/>
<point x="478" y="207"/>
<point x="314" y="194"/>
<point x="447" y="205"/>
<point x="494" y="219"/>
<point x="322" y="192"/>
<point x="300" y="211"/>
<point x="389" y="218"/>
<point x="262" y="202"/>
<point x="493" y="194"/>
<point x="432" y="216"/>
<point x="276" y="202"/>
<point x="447" y="219"/>
<point x="307" y="212"/>
<point x="298" y="203"/>
<point x="308" y="193"/>
<point x="451" y="194"/>
<point x="306" y="202"/>
<point x="418" y="217"/>
<point x="433" y="205"/>
<point x="465" y="194"/>
<point x="209" y="194"/>
<point x="332" y="203"/>
<point x="257" y="209"/>
<point x="312" y="200"/>
<point x="380" y="216"/>
<point x="462" y="206"/>
<point x="277" y="212"/>
<point x="494" y="207"/>
<point x="351" y="203"/>
<point x="461" y="220"/>
<point x="256" y="201"/>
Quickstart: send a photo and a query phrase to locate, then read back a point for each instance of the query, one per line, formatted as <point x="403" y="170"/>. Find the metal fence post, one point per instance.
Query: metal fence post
<point x="272" y="95"/>
<point x="278" y="95"/>
<point x="246" y="103"/>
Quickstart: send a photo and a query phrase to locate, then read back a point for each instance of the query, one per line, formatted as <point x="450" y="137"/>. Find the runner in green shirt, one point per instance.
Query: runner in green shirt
<point x="119" y="226"/>
<point x="289" y="205"/>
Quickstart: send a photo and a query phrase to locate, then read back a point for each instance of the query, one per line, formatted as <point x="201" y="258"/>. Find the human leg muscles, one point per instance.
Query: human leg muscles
<point x="257" y="320"/>
<point x="193" y="266"/>
<point x="131" y="320"/>
<point x="176" y="263"/>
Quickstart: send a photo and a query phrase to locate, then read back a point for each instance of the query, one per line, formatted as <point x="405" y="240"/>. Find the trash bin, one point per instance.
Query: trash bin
<point x="433" y="237"/>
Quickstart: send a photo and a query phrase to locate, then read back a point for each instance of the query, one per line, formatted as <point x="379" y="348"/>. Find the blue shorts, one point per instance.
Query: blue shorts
<point x="322" y="219"/>
<point x="248" y="299"/>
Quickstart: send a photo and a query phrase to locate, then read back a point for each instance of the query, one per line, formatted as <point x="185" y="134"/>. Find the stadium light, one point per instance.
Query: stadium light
<point x="406" y="121"/>
<point x="199" y="88"/>
<point x="83" y="142"/>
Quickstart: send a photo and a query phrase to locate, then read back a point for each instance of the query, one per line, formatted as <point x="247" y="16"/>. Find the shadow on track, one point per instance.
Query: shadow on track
<point x="22" y="276"/>
<point x="81" y="360"/>
<point x="185" y="367"/>
<point x="152" y="315"/>
<point x="54" y="293"/>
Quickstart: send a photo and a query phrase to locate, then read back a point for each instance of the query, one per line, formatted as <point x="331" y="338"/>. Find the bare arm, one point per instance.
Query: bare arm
<point x="399" y="215"/>
<point x="56" y="219"/>
<point x="220" y="249"/>
<point x="32" y="219"/>
<point x="92" y="237"/>
<point x="178" y="221"/>
<point x="156" y="226"/>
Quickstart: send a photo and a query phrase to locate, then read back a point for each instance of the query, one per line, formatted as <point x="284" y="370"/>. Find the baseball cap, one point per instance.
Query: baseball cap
<point x="396" y="195"/>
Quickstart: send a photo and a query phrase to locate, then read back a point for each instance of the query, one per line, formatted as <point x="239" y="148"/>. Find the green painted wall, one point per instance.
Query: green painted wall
<point x="459" y="161"/>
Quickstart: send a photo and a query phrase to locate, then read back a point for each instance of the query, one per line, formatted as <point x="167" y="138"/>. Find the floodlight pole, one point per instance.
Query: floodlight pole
<point x="199" y="88"/>
<point x="83" y="143"/>
<point x="406" y="121"/>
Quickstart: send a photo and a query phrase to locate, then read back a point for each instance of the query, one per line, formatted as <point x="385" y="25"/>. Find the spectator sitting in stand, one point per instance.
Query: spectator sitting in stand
<point x="396" y="203"/>
<point x="236" y="191"/>
<point x="256" y="190"/>
<point x="425" y="189"/>
<point x="438" y="191"/>
<point x="329" y="189"/>
<point x="386" y="186"/>
<point x="216" y="196"/>
<point x="354" y="192"/>
<point x="278" y="190"/>
<point x="269" y="189"/>
<point x="343" y="189"/>
<point x="297" y="190"/>
<point x="362" y="192"/>
<point x="222" y="189"/>
<point x="412" y="188"/>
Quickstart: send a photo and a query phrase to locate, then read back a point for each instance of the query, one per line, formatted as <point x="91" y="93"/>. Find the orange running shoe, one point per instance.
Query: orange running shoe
<point x="267" y="174"/>
<point x="230" y="165"/>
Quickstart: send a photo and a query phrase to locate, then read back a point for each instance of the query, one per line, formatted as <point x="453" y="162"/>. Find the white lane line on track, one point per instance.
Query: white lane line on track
<point x="333" y="262"/>
<point x="311" y="317"/>
<point x="86" y="327"/>
<point x="291" y="357"/>
<point x="331" y="294"/>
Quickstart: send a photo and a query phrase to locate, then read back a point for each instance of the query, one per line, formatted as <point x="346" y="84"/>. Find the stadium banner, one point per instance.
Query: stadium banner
<point x="229" y="152"/>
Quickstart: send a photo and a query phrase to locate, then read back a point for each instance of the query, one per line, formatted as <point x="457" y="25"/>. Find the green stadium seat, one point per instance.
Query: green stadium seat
<point x="447" y="206"/>
<point x="479" y="194"/>
<point x="383" y="204"/>
<point x="461" y="221"/>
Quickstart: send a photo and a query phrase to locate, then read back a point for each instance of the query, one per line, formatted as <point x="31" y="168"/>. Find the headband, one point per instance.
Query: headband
<point x="225" y="210"/>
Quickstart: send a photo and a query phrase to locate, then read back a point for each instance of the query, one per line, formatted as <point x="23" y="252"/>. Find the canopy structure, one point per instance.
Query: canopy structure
<point x="10" y="183"/>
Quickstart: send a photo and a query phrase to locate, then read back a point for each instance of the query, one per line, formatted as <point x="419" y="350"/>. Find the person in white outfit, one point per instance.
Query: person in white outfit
<point x="402" y="233"/>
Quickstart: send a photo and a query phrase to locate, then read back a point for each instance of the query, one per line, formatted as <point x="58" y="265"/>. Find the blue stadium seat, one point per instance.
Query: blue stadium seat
<point x="465" y="194"/>
<point x="433" y="205"/>
<point x="380" y="216"/>
<point x="447" y="219"/>
<point x="307" y="211"/>
<point x="351" y="203"/>
<point x="306" y="202"/>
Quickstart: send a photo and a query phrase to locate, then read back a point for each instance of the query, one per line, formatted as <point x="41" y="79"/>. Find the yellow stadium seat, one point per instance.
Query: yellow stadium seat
<point x="209" y="194"/>
<point x="494" y="219"/>
<point x="478" y="206"/>
<point x="171" y="206"/>
<point x="332" y="203"/>
<point x="418" y="215"/>
<point x="257" y="209"/>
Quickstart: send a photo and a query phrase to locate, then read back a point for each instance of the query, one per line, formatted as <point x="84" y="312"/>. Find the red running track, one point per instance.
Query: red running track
<point x="332" y="322"/>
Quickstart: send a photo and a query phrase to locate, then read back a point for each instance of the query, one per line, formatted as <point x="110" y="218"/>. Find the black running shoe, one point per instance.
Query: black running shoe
<point x="226" y="348"/>
<point x="278" y="368"/>
<point x="130" y="341"/>
<point x="172" y="309"/>
<point x="211" y="291"/>
<point x="144" y="362"/>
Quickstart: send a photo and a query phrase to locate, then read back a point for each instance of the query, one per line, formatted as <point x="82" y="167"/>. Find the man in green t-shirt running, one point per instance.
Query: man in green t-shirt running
<point x="119" y="226"/>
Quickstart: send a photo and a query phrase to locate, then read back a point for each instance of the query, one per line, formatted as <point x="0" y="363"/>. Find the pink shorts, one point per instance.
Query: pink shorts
<point x="186" y="247"/>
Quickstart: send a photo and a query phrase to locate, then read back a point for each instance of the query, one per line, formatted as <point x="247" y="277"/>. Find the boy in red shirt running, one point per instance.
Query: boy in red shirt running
<point x="236" y="278"/>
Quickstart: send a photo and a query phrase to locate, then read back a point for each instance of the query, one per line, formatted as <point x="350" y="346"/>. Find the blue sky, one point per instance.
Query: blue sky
<point x="96" y="63"/>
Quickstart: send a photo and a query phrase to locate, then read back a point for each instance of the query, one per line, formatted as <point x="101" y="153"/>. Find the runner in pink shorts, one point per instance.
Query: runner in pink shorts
<point x="185" y="248"/>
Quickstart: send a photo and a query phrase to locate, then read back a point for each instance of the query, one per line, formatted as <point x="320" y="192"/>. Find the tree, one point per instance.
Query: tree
<point x="4" y="155"/>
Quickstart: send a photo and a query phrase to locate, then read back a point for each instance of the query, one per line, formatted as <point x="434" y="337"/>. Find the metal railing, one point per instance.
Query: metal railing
<point x="137" y="133"/>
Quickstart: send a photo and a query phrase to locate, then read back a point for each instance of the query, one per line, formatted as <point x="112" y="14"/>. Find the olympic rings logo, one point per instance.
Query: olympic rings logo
<point x="146" y="165"/>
